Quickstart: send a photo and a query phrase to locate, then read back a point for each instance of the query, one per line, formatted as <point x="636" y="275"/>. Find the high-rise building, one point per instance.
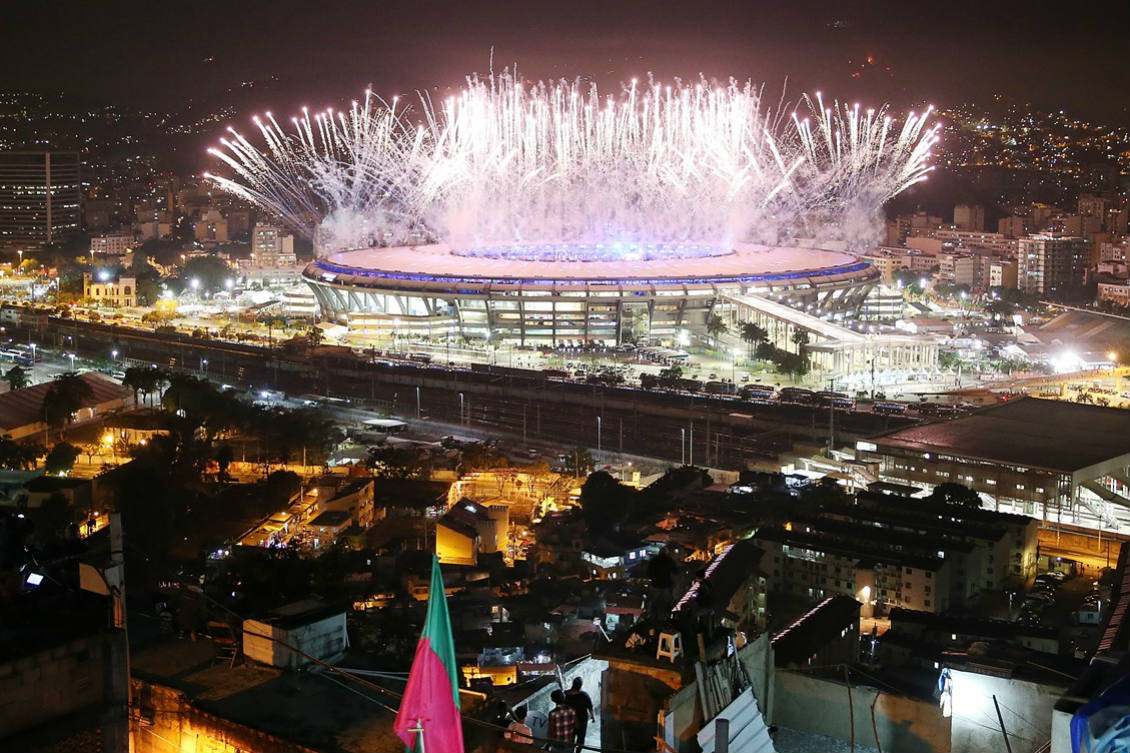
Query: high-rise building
<point x="957" y="268"/>
<point x="1014" y="226"/>
<point x="969" y="217"/>
<point x="271" y="247"/>
<point x="40" y="199"/>
<point x="1050" y="264"/>
<point x="1091" y="205"/>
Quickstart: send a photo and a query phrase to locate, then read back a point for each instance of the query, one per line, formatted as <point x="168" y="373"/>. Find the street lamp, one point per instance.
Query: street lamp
<point x="72" y="357"/>
<point x="204" y="366"/>
<point x="461" y="409"/>
<point x="114" y="354"/>
<point x="599" y="420"/>
<point x="33" y="346"/>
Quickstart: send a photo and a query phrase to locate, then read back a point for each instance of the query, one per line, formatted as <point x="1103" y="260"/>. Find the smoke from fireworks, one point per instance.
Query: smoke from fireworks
<point x="559" y="162"/>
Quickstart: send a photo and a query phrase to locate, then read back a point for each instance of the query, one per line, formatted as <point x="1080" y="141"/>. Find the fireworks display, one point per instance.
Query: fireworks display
<point x="504" y="162"/>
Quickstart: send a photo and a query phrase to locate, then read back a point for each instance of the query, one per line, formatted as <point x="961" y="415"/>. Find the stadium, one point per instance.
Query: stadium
<point x="560" y="294"/>
<point x="553" y="214"/>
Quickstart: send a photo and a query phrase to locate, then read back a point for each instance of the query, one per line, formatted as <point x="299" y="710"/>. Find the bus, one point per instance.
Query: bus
<point x="838" y="400"/>
<point x="798" y="395"/>
<point x="935" y="409"/>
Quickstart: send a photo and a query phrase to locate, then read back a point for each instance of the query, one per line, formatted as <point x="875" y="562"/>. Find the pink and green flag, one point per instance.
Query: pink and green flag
<point x="431" y="700"/>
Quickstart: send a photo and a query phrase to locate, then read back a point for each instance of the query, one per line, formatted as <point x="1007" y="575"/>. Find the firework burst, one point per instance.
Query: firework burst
<point x="559" y="162"/>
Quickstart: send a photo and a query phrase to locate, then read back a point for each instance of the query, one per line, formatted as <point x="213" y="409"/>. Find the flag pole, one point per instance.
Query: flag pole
<point x="419" y="730"/>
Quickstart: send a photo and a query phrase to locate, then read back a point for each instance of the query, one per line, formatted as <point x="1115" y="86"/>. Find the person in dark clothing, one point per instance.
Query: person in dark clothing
<point x="502" y="717"/>
<point x="578" y="700"/>
<point x="661" y="571"/>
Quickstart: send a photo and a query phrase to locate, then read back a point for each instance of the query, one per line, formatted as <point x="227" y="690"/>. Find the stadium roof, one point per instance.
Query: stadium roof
<point x="746" y="260"/>
<point x="1049" y="434"/>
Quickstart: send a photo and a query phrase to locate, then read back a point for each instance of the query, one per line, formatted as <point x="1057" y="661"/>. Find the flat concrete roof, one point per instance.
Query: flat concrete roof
<point x="1050" y="434"/>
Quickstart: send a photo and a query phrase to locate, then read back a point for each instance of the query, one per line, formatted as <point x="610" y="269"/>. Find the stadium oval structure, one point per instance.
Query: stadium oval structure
<point x="564" y="294"/>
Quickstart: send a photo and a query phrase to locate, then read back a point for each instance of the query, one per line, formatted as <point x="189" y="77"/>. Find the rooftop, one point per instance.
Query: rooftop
<point x="1049" y="434"/>
<point x="866" y="553"/>
<point x="20" y="408"/>
<point x="438" y="261"/>
<point x="332" y="518"/>
<point x="309" y="709"/>
<point x="812" y="631"/>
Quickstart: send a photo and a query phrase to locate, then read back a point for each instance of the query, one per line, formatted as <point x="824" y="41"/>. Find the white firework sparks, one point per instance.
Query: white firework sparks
<point x="559" y="162"/>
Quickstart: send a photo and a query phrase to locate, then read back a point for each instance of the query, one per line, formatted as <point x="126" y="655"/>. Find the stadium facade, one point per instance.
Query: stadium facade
<point x="562" y="294"/>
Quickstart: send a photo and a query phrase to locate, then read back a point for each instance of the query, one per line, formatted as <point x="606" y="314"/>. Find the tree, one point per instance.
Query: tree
<point x="17" y="456"/>
<point x="280" y="487"/>
<point x="948" y="359"/>
<point x="800" y="338"/>
<point x="211" y="271"/>
<point x="579" y="461"/>
<point x="716" y="327"/>
<point x="64" y="398"/>
<point x="670" y="377"/>
<point x="399" y="461"/>
<point x="17" y="378"/>
<point x="314" y="336"/>
<point x="52" y="518"/>
<point x="824" y="493"/>
<point x="955" y="494"/>
<point x="481" y="457"/>
<point x="148" y="380"/>
<point x="224" y="457"/>
<point x="61" y="458"/>
<point x="605" y="502"/>
<point x="794" y="364"/>
<point x="753" y="334"/>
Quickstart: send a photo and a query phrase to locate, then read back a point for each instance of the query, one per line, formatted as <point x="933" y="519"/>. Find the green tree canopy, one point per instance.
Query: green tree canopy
<point x="17" y="378"/>
<point x="955" y="494"/>
<point x="211" y="271"/>
<point x="18" y="456"/>
<point x="61" y="458"/>
<point x="64" y="398"/>
<point x="606" y="502"/>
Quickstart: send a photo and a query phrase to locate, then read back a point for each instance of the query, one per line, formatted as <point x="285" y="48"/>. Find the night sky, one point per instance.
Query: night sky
<point x="154" y="54"/>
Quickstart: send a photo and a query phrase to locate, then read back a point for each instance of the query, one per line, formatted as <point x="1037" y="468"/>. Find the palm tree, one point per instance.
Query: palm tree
<point x="753" y="334"/>
<point x="800" y="338"/>
<point x="715" y="327"/>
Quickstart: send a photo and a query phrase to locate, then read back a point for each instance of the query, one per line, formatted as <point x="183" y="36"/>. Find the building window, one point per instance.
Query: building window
<point x="927" y="602"/>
